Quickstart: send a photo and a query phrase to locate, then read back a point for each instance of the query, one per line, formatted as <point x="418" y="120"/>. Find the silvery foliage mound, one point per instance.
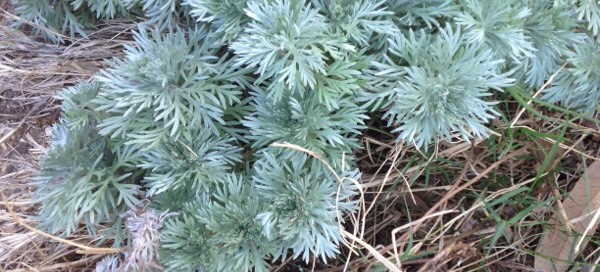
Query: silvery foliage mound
<point x="188" y="117"/>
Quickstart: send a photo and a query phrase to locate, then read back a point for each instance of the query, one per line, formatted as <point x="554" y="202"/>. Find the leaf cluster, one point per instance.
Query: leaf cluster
<point x="436" y="85"/>
<point x="53" y="19"/>
<point x="165" y="85"/>
<point x="170" y="117"/>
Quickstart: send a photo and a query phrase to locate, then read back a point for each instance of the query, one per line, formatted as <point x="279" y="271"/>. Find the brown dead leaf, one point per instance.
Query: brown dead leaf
<point x="580" y="206"/>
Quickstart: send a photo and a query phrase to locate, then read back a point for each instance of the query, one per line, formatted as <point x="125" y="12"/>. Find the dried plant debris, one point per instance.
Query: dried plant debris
<point x="142" y="255"/>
